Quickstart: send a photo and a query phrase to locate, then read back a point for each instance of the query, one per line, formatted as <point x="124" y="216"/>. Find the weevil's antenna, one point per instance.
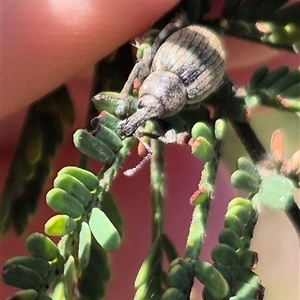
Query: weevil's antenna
<point x="139" y="166"/>
<point x="133" y="171"/>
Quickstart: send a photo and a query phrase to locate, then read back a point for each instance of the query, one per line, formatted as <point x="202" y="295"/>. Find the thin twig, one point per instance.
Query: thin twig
<point x="110" y="174"/>
<point x="200" y="215"/>
<point x="157" y="187"/>
<point x="157" y="202"/>
<point x="250" y="141"/>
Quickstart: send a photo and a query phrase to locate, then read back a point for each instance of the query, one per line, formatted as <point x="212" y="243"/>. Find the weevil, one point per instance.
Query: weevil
<point x="183" y="66"/>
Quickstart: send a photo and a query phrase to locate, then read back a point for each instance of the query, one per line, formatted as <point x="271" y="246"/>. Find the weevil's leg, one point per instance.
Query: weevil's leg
<point x="178" y="22"/>
<point x="139" y="72"/>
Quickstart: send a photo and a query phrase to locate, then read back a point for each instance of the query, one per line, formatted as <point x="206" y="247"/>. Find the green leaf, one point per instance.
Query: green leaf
<point x="246" y="165"/>
<point x="235" y="224"/>
<point x="85" y="176"/>
<point x="109" y="138"/>
<point x="106" y="119"/>
<point x="241" y="212"/>
<point x="103" y="230"/>
<point x="292" y="92"/>
<point x="276" y="192"/>
<point x="248" y="259"/>
<point x="110" y="101"/>
<point x="257" y="77"/>
<point x="169" y="248"/>
<point x="106" y="101"/>
<point x="62" y="202"/>
<point x="91" y="284"/>
<point x="53" y="132"/>
<point x="203" y="149"/>
<point x="58" y="291"/>
<point x="148" y="267"/>
<point x="63" y="103"/>
<point x="244" y="181"/>
<point x="109" y="207"/>
<point x="244" y="289"/>
<point x="246" y="275"/>
<point x="60" y="225"/>
<point x="84" y="248"/>
<point x="178" y="277"/>
<point x="224" y="254"/>
<point x="200" y="129"/>
<point x="285" y="82"/>
<point x="220" y="128"/>
<point x="173" y="293"/>
<point x="28" y="294"/>
<point x="74" y="187"/>
<point x="230" y="238"/>
<point x="22" y="277"/>
<point x="70" y="278"/>
<point x="37" y="264"/>
<point x="40" y="245"/>
<point x="272" y="77"/>
<point x="212" y="279"/>
<point x="89" y="145"/>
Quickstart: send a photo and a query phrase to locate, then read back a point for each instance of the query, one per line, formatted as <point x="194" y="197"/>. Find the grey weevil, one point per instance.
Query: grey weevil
<point x="182" y="67"/>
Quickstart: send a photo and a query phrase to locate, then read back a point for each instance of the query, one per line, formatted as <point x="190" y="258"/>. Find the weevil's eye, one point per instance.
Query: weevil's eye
<point x="140" y="104"/>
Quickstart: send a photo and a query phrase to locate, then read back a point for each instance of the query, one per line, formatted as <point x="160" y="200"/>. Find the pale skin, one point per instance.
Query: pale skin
<point x="45" y="43"/>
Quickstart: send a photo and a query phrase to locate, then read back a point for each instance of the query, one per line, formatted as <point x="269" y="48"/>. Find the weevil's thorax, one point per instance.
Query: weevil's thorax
<point x="168" y="91"/>
<point x="196" y="55"/>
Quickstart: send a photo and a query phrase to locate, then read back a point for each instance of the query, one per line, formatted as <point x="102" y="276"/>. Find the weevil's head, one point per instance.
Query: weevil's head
<point x="161" y="94"/>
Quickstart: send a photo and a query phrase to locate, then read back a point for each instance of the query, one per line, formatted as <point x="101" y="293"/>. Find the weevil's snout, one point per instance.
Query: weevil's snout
<point x="161" y="94"/>
<point x="148" y="108"/>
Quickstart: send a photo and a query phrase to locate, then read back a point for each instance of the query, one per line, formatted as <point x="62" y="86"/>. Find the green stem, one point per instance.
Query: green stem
<point x="157" y="186"/>
<point x="200" y="215"/>
<point x="157" y="203"/>
<point x="250" y="141"/>
<point x="110" y="174"/>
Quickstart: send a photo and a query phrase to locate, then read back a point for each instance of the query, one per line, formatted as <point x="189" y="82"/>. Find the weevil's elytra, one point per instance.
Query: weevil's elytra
<point x="196" y="55"/>
<point x="187" y="65"/>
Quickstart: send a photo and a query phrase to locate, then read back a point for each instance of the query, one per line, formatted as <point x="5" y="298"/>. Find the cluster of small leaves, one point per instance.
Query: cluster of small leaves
<point x="232" y="256"/>
<point x="103" y="143"/>
<point x="275" y="188"/>
<point x="87" y="233"/>
<point x="279" y="88"/>
<point x="40" y="138"/>
<point x="263" y="21"/>
<point x="34" y="273"/>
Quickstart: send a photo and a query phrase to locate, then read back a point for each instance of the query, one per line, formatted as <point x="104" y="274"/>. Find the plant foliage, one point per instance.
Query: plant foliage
<point x="88" y="220"/>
